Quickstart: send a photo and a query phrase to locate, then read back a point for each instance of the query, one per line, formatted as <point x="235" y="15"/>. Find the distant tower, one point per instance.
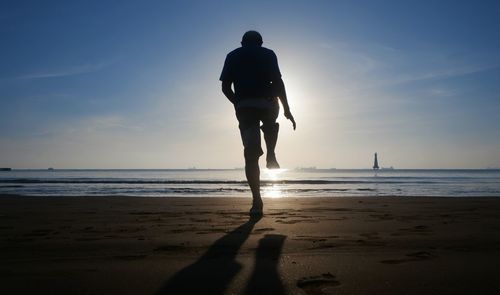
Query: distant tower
<point x="375" y="162"/>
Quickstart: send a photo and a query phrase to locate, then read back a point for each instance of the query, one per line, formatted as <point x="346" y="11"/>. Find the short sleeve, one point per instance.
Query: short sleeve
<point x="227" y="71"/>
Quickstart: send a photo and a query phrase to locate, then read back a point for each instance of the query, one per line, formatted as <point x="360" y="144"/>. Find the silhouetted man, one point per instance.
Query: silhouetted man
<point x="254" y="72"/>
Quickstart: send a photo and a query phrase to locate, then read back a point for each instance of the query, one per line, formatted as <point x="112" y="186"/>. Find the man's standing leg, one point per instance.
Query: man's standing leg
<point x="250" y="135"/>
<point x="252" y="172"/>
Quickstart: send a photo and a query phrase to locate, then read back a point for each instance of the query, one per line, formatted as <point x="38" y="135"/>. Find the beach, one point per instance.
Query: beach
<point x="355" y="245"/>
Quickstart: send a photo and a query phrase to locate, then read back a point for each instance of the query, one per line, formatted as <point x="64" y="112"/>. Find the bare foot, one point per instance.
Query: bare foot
<point x="257" y="207"/>
<point x="272" y="163"/>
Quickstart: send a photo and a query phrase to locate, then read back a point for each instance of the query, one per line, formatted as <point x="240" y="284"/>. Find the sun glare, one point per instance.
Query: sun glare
<point x="274" y="190"/>
<point x="273" y="174"/>
<point x="296" y="96"/>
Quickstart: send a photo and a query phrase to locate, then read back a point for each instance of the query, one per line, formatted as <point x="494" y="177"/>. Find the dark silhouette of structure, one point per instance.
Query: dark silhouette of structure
<point x="375" y="162"/>
<point x="254" y="73"/>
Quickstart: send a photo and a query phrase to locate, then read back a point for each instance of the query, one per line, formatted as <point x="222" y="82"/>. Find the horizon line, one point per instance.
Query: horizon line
<point x="242" y="168"/>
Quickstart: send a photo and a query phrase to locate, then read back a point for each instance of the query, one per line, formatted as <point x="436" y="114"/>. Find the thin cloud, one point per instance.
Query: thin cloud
<point x="70" y="71"/>
<point x="106" y="124"/>
<point x="447" y="73"/>
<point x="374" y="58"/>
<point x="442" y="92"/>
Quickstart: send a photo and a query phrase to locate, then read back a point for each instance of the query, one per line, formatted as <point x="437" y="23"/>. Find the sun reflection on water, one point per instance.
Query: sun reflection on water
<point x="273" y="174"/>
<point x="273" y="190"/>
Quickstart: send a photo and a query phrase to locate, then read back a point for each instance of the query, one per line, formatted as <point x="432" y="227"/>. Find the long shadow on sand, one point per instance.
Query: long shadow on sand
<point x="212" y="272"/>
<point x="265" y="278"/>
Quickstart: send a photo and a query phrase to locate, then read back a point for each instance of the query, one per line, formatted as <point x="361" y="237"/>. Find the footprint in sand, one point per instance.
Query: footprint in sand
<point x="130" y="257"/>
<point x="293" y="221"/>
<point x="317" y="284"/>
<point x="170" y="248"/>
<point x="262" y="230"/>
<point x="419" y="230"/>
<point x="417" y="256"/>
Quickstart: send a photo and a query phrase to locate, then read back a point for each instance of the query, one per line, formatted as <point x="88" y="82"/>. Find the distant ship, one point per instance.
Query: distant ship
<point x="375" y="163"/>
<point x="5" y="169"/>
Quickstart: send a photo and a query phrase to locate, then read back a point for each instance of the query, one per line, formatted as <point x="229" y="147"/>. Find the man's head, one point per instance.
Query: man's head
<point x="251" y="38"/>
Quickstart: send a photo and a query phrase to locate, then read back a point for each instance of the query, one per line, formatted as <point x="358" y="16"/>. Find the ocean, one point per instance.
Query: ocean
<point x="231" y="183"/>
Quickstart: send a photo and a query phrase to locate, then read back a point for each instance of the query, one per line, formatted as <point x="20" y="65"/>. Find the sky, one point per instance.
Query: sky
<point x="134" y="84"/>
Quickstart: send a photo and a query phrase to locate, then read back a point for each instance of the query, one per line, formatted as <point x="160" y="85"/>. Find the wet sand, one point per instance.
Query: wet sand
<point x="371" y="245"/>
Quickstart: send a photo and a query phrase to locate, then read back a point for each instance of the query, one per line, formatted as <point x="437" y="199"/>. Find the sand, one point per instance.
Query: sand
<point x="370" y="245"/>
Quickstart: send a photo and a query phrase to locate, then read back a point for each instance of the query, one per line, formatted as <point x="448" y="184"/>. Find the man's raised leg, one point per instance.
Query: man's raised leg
<point x="270" y="131"/>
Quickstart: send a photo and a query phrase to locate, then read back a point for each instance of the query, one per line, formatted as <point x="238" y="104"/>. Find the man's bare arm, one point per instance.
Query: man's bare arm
<point x="280" y="86"/>
<point x="228" y="91"/>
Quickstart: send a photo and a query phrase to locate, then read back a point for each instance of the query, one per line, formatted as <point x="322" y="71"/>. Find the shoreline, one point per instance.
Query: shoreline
<point x="243" y="196"/>
<point x="341" y="245"/>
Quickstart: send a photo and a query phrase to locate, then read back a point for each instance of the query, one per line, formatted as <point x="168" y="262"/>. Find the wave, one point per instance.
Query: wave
<point x="178" y="191"/>
<point x="221" y="182"/>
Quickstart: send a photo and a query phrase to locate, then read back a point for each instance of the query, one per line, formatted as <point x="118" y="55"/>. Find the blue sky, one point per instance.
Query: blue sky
<point x="134" y="84"/>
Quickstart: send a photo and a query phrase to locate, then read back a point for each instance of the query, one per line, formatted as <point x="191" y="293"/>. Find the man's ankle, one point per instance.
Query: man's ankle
<point x="257" y="207"/>
<point x="257" y="200"/>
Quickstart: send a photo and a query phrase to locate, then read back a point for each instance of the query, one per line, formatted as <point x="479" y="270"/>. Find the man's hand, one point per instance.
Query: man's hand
<point x="289" y="116"/>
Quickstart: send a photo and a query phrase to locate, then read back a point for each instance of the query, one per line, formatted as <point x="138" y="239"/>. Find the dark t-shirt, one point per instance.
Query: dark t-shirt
<point x="251" y="69"/>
